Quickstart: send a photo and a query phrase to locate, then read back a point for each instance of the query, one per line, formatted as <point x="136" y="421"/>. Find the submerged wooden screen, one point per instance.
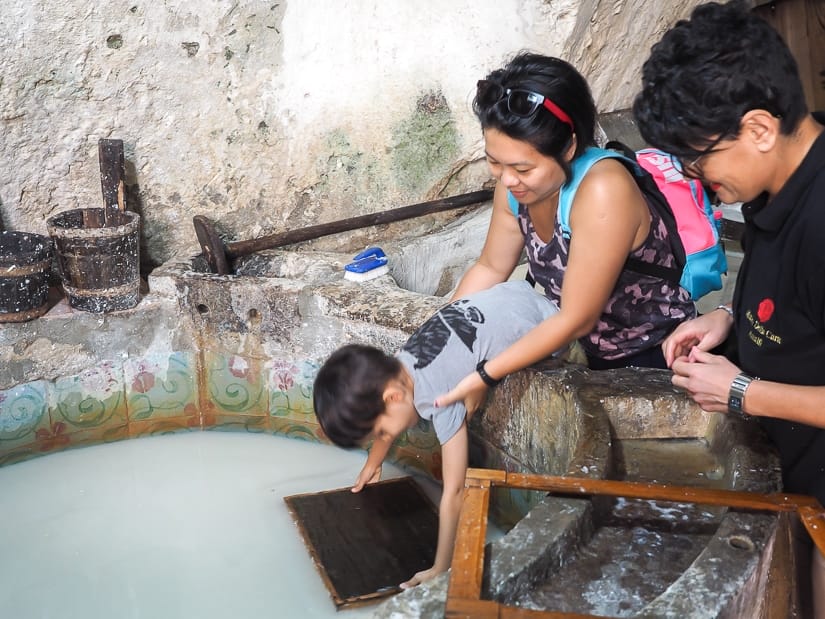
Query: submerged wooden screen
<point x="366" y="544"/>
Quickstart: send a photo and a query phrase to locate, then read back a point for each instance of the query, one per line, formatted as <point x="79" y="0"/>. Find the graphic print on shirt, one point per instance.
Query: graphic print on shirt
<point x="432" y="337"/>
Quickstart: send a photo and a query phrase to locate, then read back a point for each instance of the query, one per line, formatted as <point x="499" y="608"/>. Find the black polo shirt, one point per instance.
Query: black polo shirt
<point x="779" y="305"/>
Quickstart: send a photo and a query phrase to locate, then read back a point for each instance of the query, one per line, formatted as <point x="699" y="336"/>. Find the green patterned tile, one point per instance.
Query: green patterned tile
<point x="421" y="438"/>
<point x="91" y="399"/>
<point x="297" y="429"/>
<point x="24" y="411"/>
<point x="233" y="384"/>
<point x="161" y="385"/>
<point x="232" y="422"/>
<point x="163" y="425"/>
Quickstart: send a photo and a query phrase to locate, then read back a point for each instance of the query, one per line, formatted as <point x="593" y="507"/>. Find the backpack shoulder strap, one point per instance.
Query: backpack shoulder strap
<point x="657" y="200"/>
<point x="513" y="203"/>
<point x="579" y="168"/>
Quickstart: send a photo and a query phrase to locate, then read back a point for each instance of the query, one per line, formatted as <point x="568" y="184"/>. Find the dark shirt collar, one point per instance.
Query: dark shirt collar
<point x="786" y="200"/>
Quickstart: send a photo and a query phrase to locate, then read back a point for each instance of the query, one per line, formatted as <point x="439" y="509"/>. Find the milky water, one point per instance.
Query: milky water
<point x="184" y="525"/>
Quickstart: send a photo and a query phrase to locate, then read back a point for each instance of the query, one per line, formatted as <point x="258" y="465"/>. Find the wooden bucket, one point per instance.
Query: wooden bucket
<point x="98" y="258"/>
<point x="25" y="265"/>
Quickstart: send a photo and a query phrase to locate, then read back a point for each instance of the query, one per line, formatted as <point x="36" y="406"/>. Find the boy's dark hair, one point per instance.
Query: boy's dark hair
<point x="709" y="71"/>
<point x="560" y="83"/>
<point x="348" y="393"/>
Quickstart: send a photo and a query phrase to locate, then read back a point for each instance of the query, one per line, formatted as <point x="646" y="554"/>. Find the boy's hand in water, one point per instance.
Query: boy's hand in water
<point x="368" y="475"/>
<point x="420" y="577"/>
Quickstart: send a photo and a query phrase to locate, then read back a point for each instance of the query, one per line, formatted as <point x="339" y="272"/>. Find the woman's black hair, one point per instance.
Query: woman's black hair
<point x="348" y="393"/>
<point x="556" y="80"/>
<point x="709" y="71"/>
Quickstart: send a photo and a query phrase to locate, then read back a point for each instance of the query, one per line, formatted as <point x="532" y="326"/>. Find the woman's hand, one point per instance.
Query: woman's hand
<point x="706" y="378"/>
<point x="368" y="475"/>
<point x="705" y="333"/>
<point x="420" y="577"/>
<point x="471" y="390"/>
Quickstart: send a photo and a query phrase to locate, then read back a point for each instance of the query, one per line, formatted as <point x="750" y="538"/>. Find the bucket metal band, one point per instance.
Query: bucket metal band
<point x="115" y="291"/>
<point x="94" y="233"/>
<point x="26" y="269"/>
<point x="24" y="315"/>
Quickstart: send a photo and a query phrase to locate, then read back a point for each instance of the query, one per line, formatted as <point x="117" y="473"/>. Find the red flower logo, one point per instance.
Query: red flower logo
<point x="765" y="310"/>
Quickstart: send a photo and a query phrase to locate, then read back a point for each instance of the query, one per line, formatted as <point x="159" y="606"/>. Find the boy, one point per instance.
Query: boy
<point x="722" y="91"/>
<point x="361" y="393"/>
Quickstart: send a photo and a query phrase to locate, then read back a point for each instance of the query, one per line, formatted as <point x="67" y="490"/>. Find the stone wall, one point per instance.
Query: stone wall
<point x="268" y="116"/>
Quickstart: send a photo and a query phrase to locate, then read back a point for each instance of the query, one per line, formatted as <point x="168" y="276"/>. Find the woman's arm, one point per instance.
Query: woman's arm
<point x="501" y="252"/>
<point x="608" y="220"/>
<point x="453" y="472"/>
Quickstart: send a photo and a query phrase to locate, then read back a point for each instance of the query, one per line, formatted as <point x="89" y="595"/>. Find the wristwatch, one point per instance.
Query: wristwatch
<point x="736" y="395"/>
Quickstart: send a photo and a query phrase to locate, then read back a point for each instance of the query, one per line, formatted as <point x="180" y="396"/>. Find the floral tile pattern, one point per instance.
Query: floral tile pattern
<point x="161" y="385"/>
<point x="160" y="394"/>
<point x="290" y="389"/>
<point x="233" y="384"/>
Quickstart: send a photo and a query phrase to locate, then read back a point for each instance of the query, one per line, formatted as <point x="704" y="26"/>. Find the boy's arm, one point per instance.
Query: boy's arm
<point x="372" y="468"/>
<point x="453" y="472"/>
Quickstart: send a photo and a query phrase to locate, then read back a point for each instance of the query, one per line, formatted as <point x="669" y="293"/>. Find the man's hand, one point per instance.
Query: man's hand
<point x="706" y="378"/>
<point x="705" y="333"/>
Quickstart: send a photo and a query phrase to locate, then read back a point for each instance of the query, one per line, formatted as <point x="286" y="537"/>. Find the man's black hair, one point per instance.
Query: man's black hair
<point x="348" y="393"/>
<point x="708" y="71"/>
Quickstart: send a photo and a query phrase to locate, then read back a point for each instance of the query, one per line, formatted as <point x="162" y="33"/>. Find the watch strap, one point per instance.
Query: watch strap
<point x="488" y="380"/>
<point x="736" y="395"/>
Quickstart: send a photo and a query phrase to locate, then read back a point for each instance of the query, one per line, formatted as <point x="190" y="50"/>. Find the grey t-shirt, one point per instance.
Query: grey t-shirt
<point x="450" y="344"/>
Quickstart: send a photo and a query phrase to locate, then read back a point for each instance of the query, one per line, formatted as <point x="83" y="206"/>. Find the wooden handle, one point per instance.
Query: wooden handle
<point x="243" y="248"/>
<point x="112" y="173"/>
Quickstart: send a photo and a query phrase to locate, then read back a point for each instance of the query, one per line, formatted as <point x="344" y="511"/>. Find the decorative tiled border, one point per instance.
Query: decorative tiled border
<point x="176" y="392"/>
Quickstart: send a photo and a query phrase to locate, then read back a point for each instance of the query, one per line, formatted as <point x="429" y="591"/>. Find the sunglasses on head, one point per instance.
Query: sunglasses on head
<point x="520" y="102"/>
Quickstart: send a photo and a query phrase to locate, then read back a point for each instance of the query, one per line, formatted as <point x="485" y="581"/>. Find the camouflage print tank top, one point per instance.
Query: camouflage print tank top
<point x="641" y="310"/>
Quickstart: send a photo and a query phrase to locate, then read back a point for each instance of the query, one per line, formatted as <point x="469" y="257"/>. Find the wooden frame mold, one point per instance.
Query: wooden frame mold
<point x="467" y="569"/>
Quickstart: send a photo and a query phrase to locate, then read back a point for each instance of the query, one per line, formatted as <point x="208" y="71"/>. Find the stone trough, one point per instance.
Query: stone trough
<point x="239" y="352"/>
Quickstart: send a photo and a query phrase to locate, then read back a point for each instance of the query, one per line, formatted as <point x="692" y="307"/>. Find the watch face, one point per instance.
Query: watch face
<point x="735" y="404"/>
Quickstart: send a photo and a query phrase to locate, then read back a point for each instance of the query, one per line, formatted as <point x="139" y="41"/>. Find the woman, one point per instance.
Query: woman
<point x="538" y="118"/>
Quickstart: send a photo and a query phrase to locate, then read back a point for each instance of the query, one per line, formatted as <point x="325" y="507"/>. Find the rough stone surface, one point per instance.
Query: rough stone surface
<point x="272" y="116"/>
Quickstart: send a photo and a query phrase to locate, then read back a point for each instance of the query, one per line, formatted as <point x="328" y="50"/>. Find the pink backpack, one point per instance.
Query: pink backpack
<point x="697" y="223"/>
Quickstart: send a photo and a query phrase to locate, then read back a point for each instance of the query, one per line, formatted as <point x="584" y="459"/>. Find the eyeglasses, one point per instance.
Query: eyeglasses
<point x="693" y="169"/>
<point x="520" y="102"/>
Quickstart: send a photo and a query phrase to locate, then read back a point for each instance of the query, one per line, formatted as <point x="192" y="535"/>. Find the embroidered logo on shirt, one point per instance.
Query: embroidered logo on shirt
<point x="758" y="333"/>
<point x="765" y="310"/>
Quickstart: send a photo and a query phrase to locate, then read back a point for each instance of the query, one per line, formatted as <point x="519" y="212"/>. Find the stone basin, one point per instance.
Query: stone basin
<point x="241" y="352"/>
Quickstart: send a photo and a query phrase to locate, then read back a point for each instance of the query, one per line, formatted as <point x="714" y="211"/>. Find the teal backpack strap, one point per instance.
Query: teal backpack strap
<point x="511" y="200"/>
<point x="579" y="168"/>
